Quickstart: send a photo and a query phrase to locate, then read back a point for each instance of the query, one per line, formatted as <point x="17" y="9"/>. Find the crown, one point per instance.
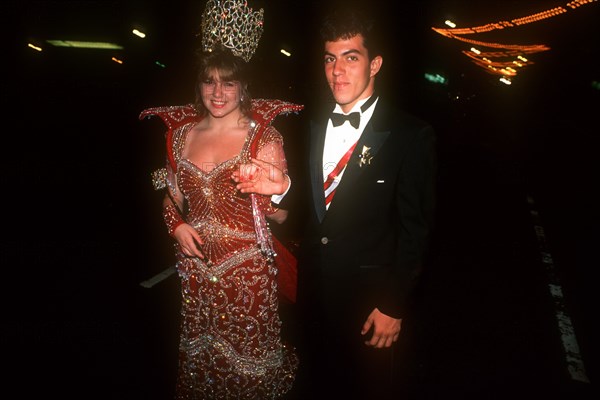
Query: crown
<point x="232" y="24"/>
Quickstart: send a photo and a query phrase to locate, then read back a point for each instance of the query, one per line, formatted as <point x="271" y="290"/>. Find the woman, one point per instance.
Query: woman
<point x="230" y="344"/>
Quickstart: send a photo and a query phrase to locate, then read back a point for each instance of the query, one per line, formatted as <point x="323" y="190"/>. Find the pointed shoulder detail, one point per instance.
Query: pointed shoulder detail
<point x="264" y="111"/>
<point x="172" y="116"/>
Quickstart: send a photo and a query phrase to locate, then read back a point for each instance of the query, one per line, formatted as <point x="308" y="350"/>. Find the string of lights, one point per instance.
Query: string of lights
<point x="504" y="62"/>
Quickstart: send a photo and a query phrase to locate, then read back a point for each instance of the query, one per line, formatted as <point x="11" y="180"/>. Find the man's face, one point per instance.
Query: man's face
<point x="349" y="72"/>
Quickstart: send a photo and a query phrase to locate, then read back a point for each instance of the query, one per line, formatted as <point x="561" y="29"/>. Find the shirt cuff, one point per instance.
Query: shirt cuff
<point x="276" y="198"/>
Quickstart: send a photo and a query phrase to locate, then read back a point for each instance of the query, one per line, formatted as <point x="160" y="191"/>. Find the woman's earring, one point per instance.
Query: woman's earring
<point x="242" y="99"/>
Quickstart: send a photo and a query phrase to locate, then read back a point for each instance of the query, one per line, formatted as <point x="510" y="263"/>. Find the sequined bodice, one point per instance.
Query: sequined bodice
<point x="218" y="211"/>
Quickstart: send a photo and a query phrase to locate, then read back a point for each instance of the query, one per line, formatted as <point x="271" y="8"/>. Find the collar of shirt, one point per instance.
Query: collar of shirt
<point x="364" y="116"/>
<point x="340" y="138"/>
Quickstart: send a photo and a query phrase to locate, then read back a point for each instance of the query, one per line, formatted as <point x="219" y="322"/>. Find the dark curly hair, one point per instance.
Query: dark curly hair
<point x="347" y="22"/>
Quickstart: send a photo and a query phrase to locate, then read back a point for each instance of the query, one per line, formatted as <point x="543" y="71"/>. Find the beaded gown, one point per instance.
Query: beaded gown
<point x="230" y="345"/>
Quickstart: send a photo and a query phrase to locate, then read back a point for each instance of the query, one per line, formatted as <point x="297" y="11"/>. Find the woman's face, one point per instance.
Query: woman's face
<point x="220" y="97"/>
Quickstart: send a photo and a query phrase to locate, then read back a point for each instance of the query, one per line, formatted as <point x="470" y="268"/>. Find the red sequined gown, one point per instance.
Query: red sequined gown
<point x="230" y="344"/>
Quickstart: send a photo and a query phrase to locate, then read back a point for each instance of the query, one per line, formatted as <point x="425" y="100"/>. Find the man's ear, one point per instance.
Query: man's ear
<point x="376" y="65"/>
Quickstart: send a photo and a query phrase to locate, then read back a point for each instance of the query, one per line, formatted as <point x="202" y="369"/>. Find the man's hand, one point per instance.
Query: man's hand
<point x="385" y="329"/>
<point x="260" y="177"/>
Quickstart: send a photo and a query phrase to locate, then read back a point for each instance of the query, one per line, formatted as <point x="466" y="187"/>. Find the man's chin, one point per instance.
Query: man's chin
<point x="342" y="99"/>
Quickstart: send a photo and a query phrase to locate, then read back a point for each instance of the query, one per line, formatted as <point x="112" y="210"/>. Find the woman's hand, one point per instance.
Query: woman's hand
<point x="189" y="240"/>
<point x="260" y="177"/>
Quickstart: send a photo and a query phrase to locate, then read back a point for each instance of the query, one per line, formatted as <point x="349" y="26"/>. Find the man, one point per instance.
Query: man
<point x="369" y="222"/>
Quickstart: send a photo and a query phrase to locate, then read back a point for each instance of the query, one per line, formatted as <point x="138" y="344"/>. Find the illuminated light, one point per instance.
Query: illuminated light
<point x="526" y="48"/>
<point x="504" y="71"/>
<point x="501" y="54"/>
<point x="285" y="53"/>
<point x="553" y="12"/>
<point x="493" y="67"/>
<point x="139" y="33"/>
<point x="450" y="23"/>
<point x="539" y="16"/>
<point x="578" y="3"/>
<point x="596" y="85"/>
<point x="160" y="64"/>
<point x="34" y="47"/>
<point x="506" y="81"/>
<point x="115" y="59"/>
<point x="510" y="50"/>
<point x="85" y="45"/>
<point x="437" y="78"/>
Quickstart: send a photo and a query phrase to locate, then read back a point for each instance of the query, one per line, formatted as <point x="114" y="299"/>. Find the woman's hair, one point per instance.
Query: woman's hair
<point x="229" y="68"/>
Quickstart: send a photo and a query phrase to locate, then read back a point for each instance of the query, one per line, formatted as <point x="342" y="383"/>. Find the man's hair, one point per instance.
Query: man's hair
<point x="345" y="23"/>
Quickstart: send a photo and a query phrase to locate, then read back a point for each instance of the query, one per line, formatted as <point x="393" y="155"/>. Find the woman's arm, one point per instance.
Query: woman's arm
<point x="186" y="236"/>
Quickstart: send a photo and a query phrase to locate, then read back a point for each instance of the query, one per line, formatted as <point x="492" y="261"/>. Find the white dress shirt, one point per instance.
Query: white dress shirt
<point x="340" y="138"/>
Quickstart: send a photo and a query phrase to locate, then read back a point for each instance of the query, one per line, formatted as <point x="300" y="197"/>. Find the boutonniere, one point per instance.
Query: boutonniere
<point x="365" y="157"/>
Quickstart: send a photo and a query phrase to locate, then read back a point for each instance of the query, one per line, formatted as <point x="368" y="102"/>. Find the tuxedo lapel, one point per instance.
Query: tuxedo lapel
<point x="317" y="141"/>
<point x="371" y="139"/>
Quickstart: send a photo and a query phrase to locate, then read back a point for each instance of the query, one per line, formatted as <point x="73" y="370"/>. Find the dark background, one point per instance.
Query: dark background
<point x="82" y="224"/>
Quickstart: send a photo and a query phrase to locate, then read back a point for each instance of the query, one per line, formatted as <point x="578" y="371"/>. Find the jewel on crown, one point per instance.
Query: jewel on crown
<point x="234" y="25"/>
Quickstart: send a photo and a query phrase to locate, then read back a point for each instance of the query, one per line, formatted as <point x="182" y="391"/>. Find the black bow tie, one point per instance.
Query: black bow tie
<point x="354" y="117"/>
<point x="338" y="119"/>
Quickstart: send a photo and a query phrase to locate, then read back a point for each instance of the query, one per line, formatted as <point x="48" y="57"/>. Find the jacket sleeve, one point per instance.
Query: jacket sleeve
<point x="415" y="202"/>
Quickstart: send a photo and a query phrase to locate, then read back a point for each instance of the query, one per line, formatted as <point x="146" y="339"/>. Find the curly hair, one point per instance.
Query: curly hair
<point x="345" y="23"/>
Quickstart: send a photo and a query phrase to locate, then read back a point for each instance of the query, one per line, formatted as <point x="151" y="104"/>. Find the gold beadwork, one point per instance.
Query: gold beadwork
<point x="230" y="344"/>
<point x="232" y="24"/>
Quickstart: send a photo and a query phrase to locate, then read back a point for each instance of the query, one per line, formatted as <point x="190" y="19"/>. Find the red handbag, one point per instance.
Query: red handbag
<point x="287" y="267"/>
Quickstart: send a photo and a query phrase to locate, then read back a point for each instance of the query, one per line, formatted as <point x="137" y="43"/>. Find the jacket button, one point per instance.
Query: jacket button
<point x="324" y="240"/>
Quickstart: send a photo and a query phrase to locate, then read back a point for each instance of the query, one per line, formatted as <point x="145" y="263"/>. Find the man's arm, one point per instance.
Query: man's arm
<point x="415" y="202"/>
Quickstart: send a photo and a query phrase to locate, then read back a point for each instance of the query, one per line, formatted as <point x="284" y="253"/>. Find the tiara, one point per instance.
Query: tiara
<point x="232" y="24"/>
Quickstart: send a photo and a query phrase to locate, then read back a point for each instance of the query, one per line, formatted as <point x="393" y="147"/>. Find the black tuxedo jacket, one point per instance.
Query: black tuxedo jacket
<point x="369" y="246"/>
